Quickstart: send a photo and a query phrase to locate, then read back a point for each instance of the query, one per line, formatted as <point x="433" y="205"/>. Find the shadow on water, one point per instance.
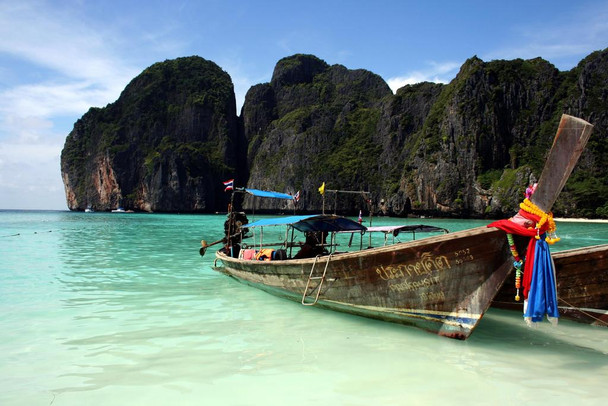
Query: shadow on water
<point x="578" y="345"/>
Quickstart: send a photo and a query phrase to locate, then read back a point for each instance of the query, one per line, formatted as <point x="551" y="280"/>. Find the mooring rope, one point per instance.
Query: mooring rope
<point x="584" y="312"/>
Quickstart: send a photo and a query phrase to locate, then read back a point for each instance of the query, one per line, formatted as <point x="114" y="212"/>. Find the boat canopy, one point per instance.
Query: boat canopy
<point x="277" y="221"/>
<point x="333" y="223"/>
<point x="317" y="222"/>
<point x="395" y="230"/>
<point x="265" y="193"/>
<point x="328" y="224"/>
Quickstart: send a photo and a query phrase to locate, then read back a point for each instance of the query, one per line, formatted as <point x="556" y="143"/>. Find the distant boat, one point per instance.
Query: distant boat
<point x="119" y="210"/>
<point x="89" y="209"/>
<point x="442" y="284"/>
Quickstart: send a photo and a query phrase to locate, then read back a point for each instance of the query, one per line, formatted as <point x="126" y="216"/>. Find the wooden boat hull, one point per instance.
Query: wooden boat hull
<point x="443" y="285"/>
<point x="582" y="285"/>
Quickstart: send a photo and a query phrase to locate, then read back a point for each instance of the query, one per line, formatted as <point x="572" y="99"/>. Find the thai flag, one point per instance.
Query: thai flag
<point x="229" y="185"/>
<point x="296" y="198"/>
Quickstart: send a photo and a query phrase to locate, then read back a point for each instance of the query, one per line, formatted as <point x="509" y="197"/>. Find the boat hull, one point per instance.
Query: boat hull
<point x="442" y="284"/>
<point x="582" y="286"/>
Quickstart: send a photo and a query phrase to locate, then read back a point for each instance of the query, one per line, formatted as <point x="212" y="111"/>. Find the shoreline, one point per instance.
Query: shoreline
<point x="580" y="220"/>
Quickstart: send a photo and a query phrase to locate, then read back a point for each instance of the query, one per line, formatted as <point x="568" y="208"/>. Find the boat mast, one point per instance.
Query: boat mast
<point x="367" y="198"/>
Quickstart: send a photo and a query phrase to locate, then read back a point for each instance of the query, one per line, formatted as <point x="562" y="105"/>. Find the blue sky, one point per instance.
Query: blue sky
<point x="59" y="58"/>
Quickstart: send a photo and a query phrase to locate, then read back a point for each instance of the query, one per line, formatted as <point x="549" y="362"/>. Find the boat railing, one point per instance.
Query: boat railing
<point x="388" y="233"/>
<point x="264" y="245"/>
<point x="329" y="249"/>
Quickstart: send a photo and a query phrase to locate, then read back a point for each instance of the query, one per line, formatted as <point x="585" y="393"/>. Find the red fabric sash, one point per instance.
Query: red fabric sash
<point x="529" y="267"/>
<point x="513" y="228"/>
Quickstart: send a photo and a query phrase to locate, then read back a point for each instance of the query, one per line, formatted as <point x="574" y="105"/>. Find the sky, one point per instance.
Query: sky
<point x="60" y="58"/>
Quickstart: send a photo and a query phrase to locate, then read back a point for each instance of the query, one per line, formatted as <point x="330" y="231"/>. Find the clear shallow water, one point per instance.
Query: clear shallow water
<point x="121" y="309"/>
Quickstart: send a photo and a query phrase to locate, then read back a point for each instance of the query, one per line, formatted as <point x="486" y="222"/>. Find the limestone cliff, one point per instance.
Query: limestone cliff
<point x="467" y="148"/>
<point x="164" y="145"/>
<point x="317" y="123"/>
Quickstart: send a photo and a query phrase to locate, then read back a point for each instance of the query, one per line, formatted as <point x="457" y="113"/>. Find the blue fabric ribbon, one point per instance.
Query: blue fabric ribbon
<point x="542" y="297"/>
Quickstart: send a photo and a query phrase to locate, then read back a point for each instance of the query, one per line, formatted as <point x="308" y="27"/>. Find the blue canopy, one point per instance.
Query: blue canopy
<point x="318" y="222"/>
<point x="277" y="221"/>
<point x="264" y="193"/>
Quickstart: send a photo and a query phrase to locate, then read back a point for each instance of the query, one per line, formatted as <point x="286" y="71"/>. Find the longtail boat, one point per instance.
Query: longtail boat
<point x="582" y="285"/>
<point x="442" y="284"/>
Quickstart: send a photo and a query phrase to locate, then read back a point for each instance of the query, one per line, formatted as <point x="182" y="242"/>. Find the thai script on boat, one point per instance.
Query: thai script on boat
<point x="432" y="295"/>
<point x="427" y="265"/>
<point x="408" y="286"/>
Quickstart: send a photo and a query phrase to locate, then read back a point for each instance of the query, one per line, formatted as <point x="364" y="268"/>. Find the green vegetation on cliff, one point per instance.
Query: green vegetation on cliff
<point x="467" y="148"/>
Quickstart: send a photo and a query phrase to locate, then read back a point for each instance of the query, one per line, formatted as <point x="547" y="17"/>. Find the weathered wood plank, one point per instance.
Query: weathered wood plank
<point x="570" y="141"/>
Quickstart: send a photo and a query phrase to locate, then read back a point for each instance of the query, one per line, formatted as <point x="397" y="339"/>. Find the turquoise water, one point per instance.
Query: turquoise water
<point x="120" y="309"/>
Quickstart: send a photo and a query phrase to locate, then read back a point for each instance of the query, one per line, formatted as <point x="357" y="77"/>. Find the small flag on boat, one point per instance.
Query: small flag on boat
<point x="360" y="217"/>
<point x="322" y="189"/>
<point x="229" y="185"/>
<point x="296" y="198"/>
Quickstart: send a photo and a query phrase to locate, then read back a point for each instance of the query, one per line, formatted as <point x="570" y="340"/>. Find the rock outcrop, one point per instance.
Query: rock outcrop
<point x="319" y="125"/>
<point x="468" y="148"/>
<point x="162" y="146"/>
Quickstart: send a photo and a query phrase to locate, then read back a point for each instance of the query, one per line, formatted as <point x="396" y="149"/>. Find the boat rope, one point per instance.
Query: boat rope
<point x="19" y="234"/>
<point x="583" y="312"/>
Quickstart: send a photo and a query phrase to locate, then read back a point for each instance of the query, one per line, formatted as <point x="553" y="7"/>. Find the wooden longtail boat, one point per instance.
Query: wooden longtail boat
<point x="582" y="285"/>
<point x="442" y="284"/>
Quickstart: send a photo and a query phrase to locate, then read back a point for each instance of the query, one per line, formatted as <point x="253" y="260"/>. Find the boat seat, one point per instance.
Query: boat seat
<point x="248" y="254"/>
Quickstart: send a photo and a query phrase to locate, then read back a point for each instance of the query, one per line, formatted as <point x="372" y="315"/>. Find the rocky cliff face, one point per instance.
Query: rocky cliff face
<point x="485" y="123"/>
<point x="162" y="146"/>
<point x="318" y="126"/>
<point x="467" y="148"/>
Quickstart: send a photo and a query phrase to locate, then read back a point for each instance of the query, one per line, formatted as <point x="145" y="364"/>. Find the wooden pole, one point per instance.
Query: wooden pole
<point x="570" y="140"/>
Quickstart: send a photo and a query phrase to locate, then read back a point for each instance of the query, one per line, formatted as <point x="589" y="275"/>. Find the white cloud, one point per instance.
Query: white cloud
<point x="14" y="154"/>
<point x="240" y="76"/>
<point x="40" y="41"/>
<point x="52" y="99"/>
<point x="563" y="43"/>
<point x="57" y="40"/>
<point x="25" y="129"/>
<point x="29" y="175"/>
<point x="436" y="72"/>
